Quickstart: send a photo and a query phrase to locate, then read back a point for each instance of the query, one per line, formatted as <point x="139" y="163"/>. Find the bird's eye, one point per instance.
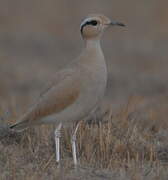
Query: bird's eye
<point x="94" y="23"/>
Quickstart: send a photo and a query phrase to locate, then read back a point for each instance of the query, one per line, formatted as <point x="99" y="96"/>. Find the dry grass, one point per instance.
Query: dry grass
<point x="122" y="145"/>
<point x="128" y="139"/>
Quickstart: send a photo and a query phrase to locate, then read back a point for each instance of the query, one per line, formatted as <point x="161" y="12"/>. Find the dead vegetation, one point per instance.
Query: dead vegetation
<point x="126" y="145"/>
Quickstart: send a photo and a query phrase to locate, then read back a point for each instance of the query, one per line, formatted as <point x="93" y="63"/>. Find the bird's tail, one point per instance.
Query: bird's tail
<point x="19" y="126"/>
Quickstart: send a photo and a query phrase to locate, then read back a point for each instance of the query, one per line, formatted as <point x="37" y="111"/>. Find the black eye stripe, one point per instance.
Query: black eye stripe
<point x="93" y="23"/>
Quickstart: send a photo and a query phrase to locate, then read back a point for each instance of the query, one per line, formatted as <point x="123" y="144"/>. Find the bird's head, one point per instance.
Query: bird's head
<point x="93" y="26"/>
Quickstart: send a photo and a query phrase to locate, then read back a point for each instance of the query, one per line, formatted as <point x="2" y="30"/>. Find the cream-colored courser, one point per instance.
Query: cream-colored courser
<point x="77" y="89"/>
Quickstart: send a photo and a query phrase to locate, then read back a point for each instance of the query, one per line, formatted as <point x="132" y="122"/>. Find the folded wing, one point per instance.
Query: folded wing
<point x="56" y="98"/>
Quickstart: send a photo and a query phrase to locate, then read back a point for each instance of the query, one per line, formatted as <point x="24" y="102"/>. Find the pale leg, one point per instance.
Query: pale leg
<point x="73" y="141"/>
<point x="57" y="142"/>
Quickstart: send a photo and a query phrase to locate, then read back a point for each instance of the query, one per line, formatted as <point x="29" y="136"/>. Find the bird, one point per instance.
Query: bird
<point x="77" y="89"/>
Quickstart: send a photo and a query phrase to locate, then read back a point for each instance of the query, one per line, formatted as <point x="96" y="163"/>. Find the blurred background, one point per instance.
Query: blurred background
<point x="38" y="37"/>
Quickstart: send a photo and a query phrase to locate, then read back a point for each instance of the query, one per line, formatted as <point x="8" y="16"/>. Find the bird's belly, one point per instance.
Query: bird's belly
<point x="94" y="94"/>
<point x="94" y="90"/>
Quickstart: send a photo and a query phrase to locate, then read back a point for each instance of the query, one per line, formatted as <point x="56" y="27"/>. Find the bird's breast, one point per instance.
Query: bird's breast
<point x="94" y="82"/>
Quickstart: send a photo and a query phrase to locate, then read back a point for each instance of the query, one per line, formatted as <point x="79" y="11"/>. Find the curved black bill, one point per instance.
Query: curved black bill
<point x="113" y="23"/>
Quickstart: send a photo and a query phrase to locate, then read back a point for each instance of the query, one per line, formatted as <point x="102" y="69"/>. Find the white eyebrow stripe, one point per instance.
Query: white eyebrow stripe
<point x="86" y="20"/>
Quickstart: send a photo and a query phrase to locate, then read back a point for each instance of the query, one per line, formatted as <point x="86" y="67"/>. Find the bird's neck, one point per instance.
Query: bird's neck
<point x="92" y="53"/>
<point x="93" y="44"/>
